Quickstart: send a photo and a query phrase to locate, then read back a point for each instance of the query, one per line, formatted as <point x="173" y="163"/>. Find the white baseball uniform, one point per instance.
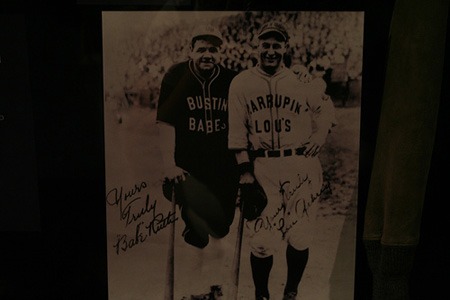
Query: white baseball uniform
<point x="273" y="115"/>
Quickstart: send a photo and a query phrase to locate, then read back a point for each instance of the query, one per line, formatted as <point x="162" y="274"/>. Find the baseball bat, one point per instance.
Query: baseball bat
<point x="170" y="268"/>
<point x="237" y="257"/>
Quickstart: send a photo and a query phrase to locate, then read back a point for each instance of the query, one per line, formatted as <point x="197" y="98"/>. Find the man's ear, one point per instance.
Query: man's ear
<point x="190" y="51"/>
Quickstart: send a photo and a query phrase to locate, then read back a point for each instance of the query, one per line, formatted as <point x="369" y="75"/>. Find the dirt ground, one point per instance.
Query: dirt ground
<point x="136" y="268"/>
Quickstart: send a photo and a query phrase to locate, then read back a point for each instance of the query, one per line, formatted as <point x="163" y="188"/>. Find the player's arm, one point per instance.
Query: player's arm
<point x="238" y="131"/>
<point x="323" y="115"/>
<point x="245" y="167"/>
<point x="167" y="147"/>
<point x="166" y="119"/>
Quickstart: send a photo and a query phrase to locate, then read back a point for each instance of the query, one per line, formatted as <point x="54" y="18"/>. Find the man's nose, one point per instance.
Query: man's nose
<point x="208" y="54"/>
<point x="270" y="51"/>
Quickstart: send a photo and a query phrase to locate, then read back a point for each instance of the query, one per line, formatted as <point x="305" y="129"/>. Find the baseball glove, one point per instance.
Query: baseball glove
<point x="253" y="200"/>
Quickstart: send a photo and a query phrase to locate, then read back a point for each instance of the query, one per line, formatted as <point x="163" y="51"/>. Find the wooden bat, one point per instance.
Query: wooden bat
<point x="170" y="268"/>
<point x="237" y="257"/>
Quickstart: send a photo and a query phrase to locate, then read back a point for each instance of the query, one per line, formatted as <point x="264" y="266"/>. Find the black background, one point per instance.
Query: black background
<point x="66" y="258"/>
<point x="19" y="211"/>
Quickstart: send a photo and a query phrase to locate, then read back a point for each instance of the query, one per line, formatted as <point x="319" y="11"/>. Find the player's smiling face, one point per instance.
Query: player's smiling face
<point x="271" y="52"/>
<point x="205" y="55"/>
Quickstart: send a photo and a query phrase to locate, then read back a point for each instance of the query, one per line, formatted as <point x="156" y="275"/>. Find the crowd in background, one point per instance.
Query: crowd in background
<point x="328" y="41"/>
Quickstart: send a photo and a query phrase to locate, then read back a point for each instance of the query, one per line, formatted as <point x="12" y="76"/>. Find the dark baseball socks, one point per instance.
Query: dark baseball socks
<point x="296" y="264"/>
<point x="391" y="267"/>
<point x="260" y="271"/>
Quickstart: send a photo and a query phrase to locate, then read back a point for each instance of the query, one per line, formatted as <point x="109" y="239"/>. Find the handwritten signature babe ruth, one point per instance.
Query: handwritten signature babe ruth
<point x="145" y="216"/>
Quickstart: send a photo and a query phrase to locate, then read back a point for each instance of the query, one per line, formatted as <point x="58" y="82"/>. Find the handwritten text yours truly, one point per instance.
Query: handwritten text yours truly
<point x="132" y="211"/>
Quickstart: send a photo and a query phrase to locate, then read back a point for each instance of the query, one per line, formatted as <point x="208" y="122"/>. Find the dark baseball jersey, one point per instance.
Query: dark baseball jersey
<point x="198" y="109"/>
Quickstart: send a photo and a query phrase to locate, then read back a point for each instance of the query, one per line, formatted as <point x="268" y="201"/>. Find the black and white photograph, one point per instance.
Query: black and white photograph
<point x="231" y="153"/>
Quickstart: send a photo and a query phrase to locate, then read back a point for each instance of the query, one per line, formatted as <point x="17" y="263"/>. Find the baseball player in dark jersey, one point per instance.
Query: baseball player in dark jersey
<point x="271" y="121"/>
<point x="192" y="118"/>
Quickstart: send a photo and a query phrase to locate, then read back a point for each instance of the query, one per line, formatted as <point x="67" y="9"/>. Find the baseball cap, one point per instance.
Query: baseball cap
<point x="207" y="31"/>
<point x="274" y="27"/>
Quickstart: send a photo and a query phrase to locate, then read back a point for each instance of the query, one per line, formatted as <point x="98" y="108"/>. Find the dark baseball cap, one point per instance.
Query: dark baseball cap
<point x="274" y="27"/>
<point x="207" y="32"/>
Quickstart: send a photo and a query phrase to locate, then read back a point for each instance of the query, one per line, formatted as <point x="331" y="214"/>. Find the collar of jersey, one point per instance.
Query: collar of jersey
<point x="260" y="71"/>
<point x="200" y="78"/>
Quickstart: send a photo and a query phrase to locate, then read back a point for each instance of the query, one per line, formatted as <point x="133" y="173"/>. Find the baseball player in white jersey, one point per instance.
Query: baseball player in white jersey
<point x="277" y="127"/>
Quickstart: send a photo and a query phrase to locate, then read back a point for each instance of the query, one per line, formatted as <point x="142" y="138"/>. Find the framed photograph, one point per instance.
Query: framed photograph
<point x="231" y="153"/>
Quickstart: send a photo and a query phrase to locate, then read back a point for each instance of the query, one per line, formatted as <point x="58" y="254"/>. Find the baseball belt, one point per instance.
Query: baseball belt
<point x="277" y="153"/>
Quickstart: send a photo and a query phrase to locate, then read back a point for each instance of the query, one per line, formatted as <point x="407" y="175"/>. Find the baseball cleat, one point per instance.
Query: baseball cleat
<point x="194" y="239"/>
<point x="290" y="296"/>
